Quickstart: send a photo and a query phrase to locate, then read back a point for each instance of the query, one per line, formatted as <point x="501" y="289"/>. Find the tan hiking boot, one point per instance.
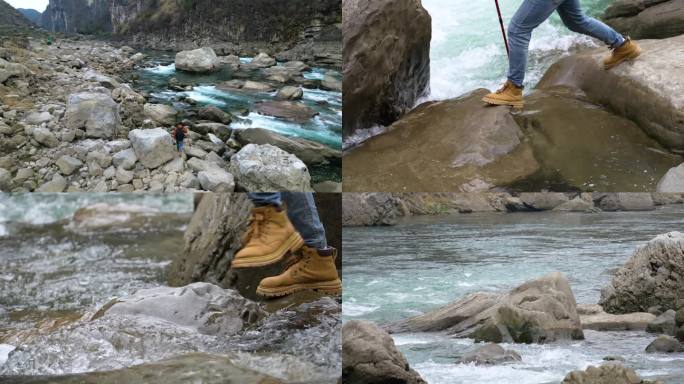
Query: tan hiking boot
<point x="269" y="238"/>
<point x="509" y="94"/>
<point x="629" y="50"/>
<point x="315" y="270"/>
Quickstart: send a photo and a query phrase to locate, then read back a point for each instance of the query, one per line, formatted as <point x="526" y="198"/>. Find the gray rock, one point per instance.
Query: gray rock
<point x="212" y="113"/>
<point x="37" y="118"/>
<point x="330" y="83"/>
<point x="666" y="344"/>
<point x="513" y="317"/>
<point x="195" y="151"/>
<point x="103" y="159"/>
<point x="176" y="165"/>
<point x="206" y="308"/>
<point x="593" y="317"/>
<point x="370" y="356"/>
<point x="647" y="19"/>
<point x="582" y="203"/>
<point x="216" y="180"/>
<point x="123" y="176"/>
<point x="96" y="113"/>
<point x="290" y="93"/>
<point x="664" y="324"/>
<point x="652" y="278"/>
<point x="263" y="60"/>
<point x="265" y="168"/>
<point x="308" y="151"/>
<point x="198" y="60"/>
<point x="542" y="201"/>
<point x="5" y="180"/>
<point x="125" y="159"/>
<point x="489" y="354"/>
<point x="161" y="113"/>
<point x="673" y="181"/>
<point x="256" y="86"/>
<point x="57" y="184"/>
<point x="609" y="373"/>
<point x="153" y="147"/>
<point x="45" y="137"/>
<point x="68" y="165"/>
<point x="626" y="201"/>
<point x="369" y="209"/>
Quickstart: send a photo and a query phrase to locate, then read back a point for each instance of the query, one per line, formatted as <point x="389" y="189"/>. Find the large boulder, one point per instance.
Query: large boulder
<point x="212" y="113"/>
<point x="642" y="91"/>
<point x="265" y="168"/>
<point x="647" y="19"/>
<point x="664" y="344"/>
<point x="153" y="147"/>
<point x="96" y="113"/>
<point x="310" y="152"/>
<point x="386" y="60"/>
<point x="664" y="323"/>
<point x="368" y="209"/>
<point x="673" y="181"/>
<point x="161" y="113"/>
<point x="215" y="234"/>
<point x="209" y="309"/>
<point x="9" y="70"/>
<point x="369" y="356"/>
<point x="216" y="180"/>
<point x="538" y="311"/>
<point x="68" y="164"/>
<point x="198" y="60"/>
<point x="451" y="145"/>
<point x="45" y="137"/>
<point x="652" y="278"/>
<point x="288" y="110"/>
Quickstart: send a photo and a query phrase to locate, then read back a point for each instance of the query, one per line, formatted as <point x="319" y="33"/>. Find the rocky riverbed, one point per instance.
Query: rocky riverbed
<point x="454" y="284"/>
<point x="84" y="115"/>
<point x="90" y="293"/>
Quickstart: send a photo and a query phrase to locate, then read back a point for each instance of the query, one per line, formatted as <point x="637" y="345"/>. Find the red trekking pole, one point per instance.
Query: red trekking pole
<point x="503" y="30"/>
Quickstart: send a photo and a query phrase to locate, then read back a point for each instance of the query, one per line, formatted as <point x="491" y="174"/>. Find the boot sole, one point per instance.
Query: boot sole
<point x="516" y="104"/>
<point x="631" y="56"/>
<point x="292" y="244"/>
<point x="333" y="287"/>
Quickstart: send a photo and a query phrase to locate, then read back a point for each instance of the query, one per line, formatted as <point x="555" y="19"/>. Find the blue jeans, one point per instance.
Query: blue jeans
<point x="180" y="145"/>
<point x="302" y="212"/>
<point x="533" y="12"/>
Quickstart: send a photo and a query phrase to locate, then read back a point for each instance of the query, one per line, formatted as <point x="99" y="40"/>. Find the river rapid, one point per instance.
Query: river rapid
<point x="425" y="262"/>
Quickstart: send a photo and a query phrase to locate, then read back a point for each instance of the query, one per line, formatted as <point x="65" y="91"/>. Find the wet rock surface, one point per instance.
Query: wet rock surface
<point x="370" y="356"/>
<point x="593" y="317"/>
<point x="612" y="373"/>
<point x="452" y="145"/>
<point x="538" y="311"/>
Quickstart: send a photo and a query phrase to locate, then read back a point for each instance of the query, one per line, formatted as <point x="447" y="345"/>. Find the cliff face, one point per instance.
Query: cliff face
<point x="77" y="16"/>
<point x="274" y="25"/>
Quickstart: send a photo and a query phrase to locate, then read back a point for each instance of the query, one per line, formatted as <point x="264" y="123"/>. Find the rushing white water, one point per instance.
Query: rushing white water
<point x="391" y="273"/>
<point x="468" y="52"/>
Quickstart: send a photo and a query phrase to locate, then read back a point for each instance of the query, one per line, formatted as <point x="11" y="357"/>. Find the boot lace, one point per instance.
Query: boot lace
<point x="254" y="230"/>
<point x="505" y="87"/>
<point x="297" y="263"/>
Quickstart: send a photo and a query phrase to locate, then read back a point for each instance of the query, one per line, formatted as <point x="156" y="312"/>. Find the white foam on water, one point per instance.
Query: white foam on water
<point x="204" y="98"/>
<point x="314" y="75"/>
<point x="331" y="97"/>
<point x="212" y="91"/>
<point x="467" y="50"/>
<point x="352" y="309"/>
<point x="164" y="70"/>
<point x="245" y="60"/>
<point x="5" y="350"/>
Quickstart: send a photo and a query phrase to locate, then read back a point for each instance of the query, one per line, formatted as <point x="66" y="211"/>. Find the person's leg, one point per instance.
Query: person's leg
<point x="301" y="209"/>
<point x="261" y="199"/>
<point x="315" y="268"/>
<point x="574" y="18"/>
<point x="528" y="17"/>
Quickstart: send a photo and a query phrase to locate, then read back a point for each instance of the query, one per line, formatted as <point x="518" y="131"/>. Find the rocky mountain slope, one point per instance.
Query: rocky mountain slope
<point x="270" y="25"/>
<point x="31" y="14"/>
<point x="10" y="18"/>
